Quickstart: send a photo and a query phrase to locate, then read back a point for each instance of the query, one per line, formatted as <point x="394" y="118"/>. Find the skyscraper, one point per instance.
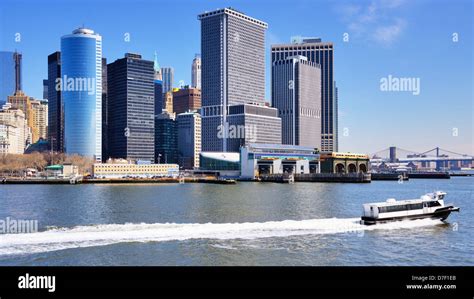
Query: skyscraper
<point x="10" y="63"/>
<point x="105" y="118"/>
<point x="81" y="69"/>
<point x="166" y="138"/>
<point x="296" y="93"/>
<point x="55" y="103"/>
<point x="168" y="77"/>
<point x="189" y="139"/>
<point x="158" y="86"/>
<point x="131" y="108"/>
<point x="233" y="74"/>
<point x="196" y="72"/>
<point x="321" y="53"/>
<point x="40" y="118"/>
<point x="45" y="89"/>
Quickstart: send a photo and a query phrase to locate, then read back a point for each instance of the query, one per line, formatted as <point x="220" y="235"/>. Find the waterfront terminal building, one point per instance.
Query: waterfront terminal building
<point x="258" y="159"/>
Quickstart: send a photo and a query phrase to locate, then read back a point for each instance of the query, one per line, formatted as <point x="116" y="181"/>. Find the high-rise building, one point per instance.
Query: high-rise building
<point x="45" y="89"/>
<point x="40" y="118"/>
<point x="55" y="103"/>
<point x="10" y="74"/>
<point x="196" y="72"/>
<point x="14" y="131"/>
<point x="81" y="70"/>
<point x="189" y="139"/>
<point x="156" y="66"/>
<point x="168" y="102"/>
<point x="250" y="123"/>
<point x="131" y="108"/>
<point x="168" y="78"/>
<point x="158" y="87"/>
<point x="105" y="118"/>
<point x="321" y="53"/>
<point x="186" y="99"/>
<point x="166" y="139"/>
<point x="233" y="73"/>
<point x="296" y="93"/>
<point x="19" y="100"/>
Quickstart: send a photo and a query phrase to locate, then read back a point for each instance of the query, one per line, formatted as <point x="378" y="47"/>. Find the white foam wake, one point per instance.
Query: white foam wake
<point x="106" y="234"/>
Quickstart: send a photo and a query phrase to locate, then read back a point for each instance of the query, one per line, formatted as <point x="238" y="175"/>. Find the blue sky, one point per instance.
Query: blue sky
<point x="405" y="39"/>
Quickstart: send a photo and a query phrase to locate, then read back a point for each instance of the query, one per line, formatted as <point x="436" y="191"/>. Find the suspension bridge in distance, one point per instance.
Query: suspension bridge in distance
<point x="441" y="157"/>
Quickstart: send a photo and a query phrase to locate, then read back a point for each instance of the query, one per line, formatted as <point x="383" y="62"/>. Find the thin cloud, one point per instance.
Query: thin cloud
<point x="388" y="34"/>
<point x="374" y="21"/>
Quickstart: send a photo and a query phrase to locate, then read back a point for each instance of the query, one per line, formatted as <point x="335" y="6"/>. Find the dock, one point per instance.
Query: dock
<point x="59" y="181"/>
<point x="389" y="176"/>
<point x="318" y="177"/>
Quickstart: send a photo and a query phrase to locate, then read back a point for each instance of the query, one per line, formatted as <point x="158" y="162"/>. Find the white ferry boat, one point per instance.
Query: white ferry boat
<point x="430" y="205"/>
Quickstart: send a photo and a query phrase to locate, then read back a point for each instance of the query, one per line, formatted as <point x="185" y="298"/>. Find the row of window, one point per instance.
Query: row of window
<point x="415" y="206"/>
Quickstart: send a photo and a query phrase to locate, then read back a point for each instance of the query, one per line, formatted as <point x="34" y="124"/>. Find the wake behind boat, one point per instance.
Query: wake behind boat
<point x="430" y="205"/>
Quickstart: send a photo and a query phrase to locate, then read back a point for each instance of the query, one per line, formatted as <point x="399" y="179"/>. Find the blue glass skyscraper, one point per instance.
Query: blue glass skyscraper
<point x="81" y="86"/>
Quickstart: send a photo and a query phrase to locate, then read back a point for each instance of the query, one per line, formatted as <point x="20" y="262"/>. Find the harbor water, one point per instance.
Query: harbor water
<point x="247" y="223"/>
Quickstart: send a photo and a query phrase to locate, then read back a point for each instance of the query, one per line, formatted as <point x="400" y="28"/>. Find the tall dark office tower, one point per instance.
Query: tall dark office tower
<point x="321" y="53"/>
<point x="8" y="75"/>
<point x="55" y="104"/>
<point x="233" y="73"/>
<point x="166" y="138"/>
<point x="45" y="89"/>
<point x="105" y="119"/>
<point x="296" y="93"/>
<point x="17" y="57"/>
<point x="131" y="108"/>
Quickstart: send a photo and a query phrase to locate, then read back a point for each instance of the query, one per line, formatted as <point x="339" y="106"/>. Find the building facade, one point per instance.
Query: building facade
<point x="131" y="108"/>
<point x="186" y="99"/>
<point x="168" y="102"/>
<point x="14" y="130"/>
<point x="40" y="118"/>
<point x="81" y="88"/>
<point x="196" y="72"/>
<point x="55" y="103"/>
<point x="168" y="78"/>
<point x="249" y="123"/>
<point x="125" y="169"/>
<point x="166" y="138"/>
<point x="189" y="139"/>
<point x="321" y="53"/>
<point x="296" y="93"/>
<point x="233" y="69"/>
<point x="105" y="111"/>
<point x="19" y="100"/>
<point x="270" y="159"/>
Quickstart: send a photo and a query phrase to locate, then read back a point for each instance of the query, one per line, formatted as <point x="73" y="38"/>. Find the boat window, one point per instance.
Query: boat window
<point x="415" y="206"/>
<point x="433" y="204"/>
<point x="441" y="196"/>
<point x="390" y="209"/>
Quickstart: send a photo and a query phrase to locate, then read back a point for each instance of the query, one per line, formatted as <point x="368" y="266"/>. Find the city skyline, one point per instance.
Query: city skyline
<point x="369" y="118"/>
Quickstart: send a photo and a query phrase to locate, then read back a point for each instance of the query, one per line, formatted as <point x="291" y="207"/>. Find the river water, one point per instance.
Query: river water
<point x="243" y="224"/>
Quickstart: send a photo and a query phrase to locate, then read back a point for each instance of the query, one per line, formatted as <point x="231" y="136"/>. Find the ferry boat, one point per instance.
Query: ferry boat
<point x="430" y="205"/>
